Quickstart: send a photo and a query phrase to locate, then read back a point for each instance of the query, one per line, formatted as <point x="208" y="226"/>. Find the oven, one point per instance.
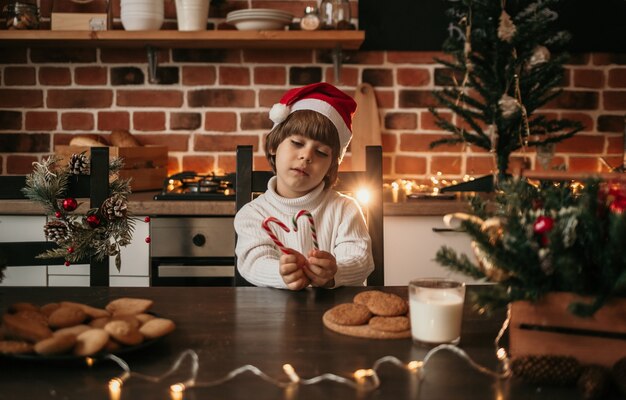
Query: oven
<point x="198" y="250"/>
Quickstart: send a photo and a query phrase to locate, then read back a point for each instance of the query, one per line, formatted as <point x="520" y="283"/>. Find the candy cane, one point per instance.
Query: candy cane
<point x="294" y="222"/>
<point x="271" y="234"/>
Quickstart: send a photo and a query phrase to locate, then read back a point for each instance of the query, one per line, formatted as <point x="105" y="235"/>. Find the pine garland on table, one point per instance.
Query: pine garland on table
<point x="533" y="239"/>
<point x="100" y="232"/>
<point x="506" y="63"/>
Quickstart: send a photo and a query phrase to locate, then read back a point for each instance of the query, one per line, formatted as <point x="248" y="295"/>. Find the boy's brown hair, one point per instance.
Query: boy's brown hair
<point x="311" y="125"/>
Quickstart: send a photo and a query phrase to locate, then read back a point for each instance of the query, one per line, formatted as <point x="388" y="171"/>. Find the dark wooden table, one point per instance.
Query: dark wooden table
<point x="231" y="327"/>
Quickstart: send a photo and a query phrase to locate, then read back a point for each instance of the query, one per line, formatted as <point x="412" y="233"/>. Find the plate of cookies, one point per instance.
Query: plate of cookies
<point x="373" y="314"/>
<point x="65" y="330"/>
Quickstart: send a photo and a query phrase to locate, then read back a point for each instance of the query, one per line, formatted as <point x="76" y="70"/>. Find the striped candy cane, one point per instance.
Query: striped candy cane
<point x="294" y="222"/>
<point x="271" y="234"/>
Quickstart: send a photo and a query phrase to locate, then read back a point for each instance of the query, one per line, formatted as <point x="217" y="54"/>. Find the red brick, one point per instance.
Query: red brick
<point x="427" y="120"/>
<point x="90" y="76"/>
<point x="149" y="121"/>
<point x="480" y="165"/>
<point x="10" y="120"/>
<point x="111" y="120"/>
<point x="269" y="56"/>
<point x="73" y="121"/>
<point x="131" y="55"/>
<point x="575" y="100"/>
<point x="413" y="76"/>
<point x="79" y="98"/>
<point x="226" y="164"/>
<point x="19" y="76"/>
<point x="222" y="142"/>
<point x="13" y="55"/>
<point x="416" y="99"/>
<point x="410" y="165"/>
<point x="149" y="98"/>
<point x="609" y="58"/>
<point x="415" y="57"/>
<point x="41" y="120"/>
<point x="239" y="76"/>
<point x="221" y="98"/>
<point x="400" y="120"/>
<point x="173" y="166"/>
<point x="54" y="76"/>
<point x="19" y="164"/>
<point x="585" y="119"/>
<point x="617" y="77"/>
<point x="387" y="164"/>
<point x="270" y="75"/>
<point x="579" y="59"/>
<point x="202" y="164"/>
<point x="584" y="164"/>
<point x="205" y="75"/>
<point x="18" y="98"/>
<point x="615" y="144"/>
<point x="385" y="99"/>
<point x="446" y="165"/>
<point x="62" y="54"/>
<point x="363" y="57"/>
<point x="378" y="77"/>
<point x="389" y="142"/>
<point x="269" y="97"/>
<point x="589" y="78"/>
<point x="580" y="143"/>
<point x="421" y="142"/>
<point x="173" y="142"/>
<point x="220" y="121"/>
<point x="614" y="100"/>
<point x="613" y="161"/>
<point x="349" y="75"/>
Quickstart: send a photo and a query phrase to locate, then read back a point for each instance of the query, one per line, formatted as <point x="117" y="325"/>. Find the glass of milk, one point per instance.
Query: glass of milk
<point x="436" y="309"/>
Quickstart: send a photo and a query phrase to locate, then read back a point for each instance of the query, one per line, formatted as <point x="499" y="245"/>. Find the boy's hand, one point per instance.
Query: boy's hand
<point x="321" y="269"/>
<point x="291" y="268"/>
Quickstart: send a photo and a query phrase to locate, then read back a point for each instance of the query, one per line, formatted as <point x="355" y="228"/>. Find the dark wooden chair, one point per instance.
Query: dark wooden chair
<point x="94" y="186"/>
<point x="249" y="182"/>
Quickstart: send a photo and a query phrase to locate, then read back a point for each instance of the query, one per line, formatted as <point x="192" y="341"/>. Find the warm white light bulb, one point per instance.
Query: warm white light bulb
<point x="363" y="196"/>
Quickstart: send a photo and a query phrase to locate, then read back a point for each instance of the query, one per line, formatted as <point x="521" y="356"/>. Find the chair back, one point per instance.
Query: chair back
<point x="95" y="187"/>
<point x="250" y="182"/>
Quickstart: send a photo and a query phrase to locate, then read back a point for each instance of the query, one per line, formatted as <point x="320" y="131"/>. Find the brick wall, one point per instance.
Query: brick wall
<point x="209" y="101"/>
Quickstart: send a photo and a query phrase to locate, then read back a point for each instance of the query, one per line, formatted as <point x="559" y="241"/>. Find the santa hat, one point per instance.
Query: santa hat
<point x="325" y="99"/>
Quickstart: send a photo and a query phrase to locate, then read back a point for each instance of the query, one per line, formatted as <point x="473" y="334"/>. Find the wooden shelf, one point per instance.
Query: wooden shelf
<point x="347" y="40"/>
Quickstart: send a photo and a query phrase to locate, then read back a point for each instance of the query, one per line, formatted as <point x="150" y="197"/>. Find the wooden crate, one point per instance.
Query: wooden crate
<point x="146" y="165"/>
<point x="547" y="327"/>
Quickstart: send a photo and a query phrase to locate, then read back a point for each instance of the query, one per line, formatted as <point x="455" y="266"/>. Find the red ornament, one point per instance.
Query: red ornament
<point x="543" y="224"/>
<point x="93" y="221"/>
<point x="70" y="204"/>
<point x="57" y="214"/>
<point x="148" y="239"/>
<point x="70" y="250"/>
<point x="618" y="206"/>
<point x="147" y="219"/>
<point x="67" y="263"/>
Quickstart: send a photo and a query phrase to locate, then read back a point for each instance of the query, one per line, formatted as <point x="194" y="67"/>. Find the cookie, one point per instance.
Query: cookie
<point x="383" y="304"/>
<point x="143" y="317"/>
<point x="24" y="328"/>
<point x="90" y="342"/>
<point x="49" y="308"/>
<point x="349" y="314"/>
<point x="66" y="316"/>
<point x="157" y="327"/>
<point x="363" y="331"/>
<point x="91" y="312"/>
<point x="131" y="319"/>
<point x="15" y="347"/>
<point x="99" y="322"/>
<point x="35" y="316"/>
<point x="364" y="297"/>
<point x="72" y="330"/>
<point x="57" y="344"/>
<point x="22" y="306"/>
<point x="128" y="306"/>
<point x="123" y="332"/>
<point x="390" y="324"/>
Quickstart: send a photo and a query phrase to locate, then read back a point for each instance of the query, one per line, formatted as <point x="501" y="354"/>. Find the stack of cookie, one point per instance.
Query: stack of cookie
<point x="372" y="314"/>
<point x="79" y="329"/>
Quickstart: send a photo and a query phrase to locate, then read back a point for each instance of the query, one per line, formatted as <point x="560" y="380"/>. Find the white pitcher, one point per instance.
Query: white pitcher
<point x="192" y="15"/>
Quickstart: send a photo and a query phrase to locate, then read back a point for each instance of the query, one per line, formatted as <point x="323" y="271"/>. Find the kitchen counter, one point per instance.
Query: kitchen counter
<point x="143" y="203"/>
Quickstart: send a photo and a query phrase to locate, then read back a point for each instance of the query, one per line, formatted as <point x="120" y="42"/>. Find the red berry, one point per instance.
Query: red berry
<point x="147" y="219"/>
<point x="70" y="204"/>
<point x="70" y="250"/>
<point x="93" y="221"/>
<point x="148" y="240"/>
<point x="543" y="224"/>
<point x="67" y="263"/>
<point x="57" y="214"/>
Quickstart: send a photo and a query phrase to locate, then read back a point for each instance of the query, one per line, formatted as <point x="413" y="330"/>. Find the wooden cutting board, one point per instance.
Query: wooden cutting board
<point x="365" y="125"/>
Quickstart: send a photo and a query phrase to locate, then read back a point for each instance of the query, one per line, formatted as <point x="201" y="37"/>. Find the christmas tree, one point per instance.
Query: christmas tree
<point x="506" y="63"/>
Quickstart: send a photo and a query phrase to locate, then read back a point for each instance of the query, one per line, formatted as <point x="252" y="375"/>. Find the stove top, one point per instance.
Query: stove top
<point x="188" y="185"/>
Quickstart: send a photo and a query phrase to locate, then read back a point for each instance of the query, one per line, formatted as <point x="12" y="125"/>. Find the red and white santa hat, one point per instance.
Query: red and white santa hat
<point x="325" y="99"/>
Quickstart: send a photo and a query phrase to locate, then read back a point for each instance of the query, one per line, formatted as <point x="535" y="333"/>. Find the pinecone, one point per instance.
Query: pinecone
<point x="56" y="231"/>
<point x="547" y="370"/>
<point x="594" y="382"/>
<point x="79" y="164"/>
<point x="619" y="375"/>
<point x="115" y="207"/>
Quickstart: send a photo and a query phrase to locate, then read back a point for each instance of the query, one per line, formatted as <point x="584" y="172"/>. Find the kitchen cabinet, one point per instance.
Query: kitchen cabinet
<point x="411" y="245"/>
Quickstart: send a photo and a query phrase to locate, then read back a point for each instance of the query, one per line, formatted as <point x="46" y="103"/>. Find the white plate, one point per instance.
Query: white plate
<point x="265" y="11"/>
<point x="259" y="24"/>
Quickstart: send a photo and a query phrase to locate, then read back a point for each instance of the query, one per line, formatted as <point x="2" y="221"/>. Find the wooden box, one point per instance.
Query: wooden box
<point x="547" y="327"/>
<point x="68" y="15"/>
<point x="146" y="165"/>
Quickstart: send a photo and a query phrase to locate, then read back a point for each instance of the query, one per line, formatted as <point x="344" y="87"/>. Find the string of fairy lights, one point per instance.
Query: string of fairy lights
<point x="361" y="380"/>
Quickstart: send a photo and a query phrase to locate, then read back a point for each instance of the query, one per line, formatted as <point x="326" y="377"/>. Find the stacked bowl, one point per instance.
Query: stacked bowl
<point x="259" y="19"/>
<point x="141" y="15"/>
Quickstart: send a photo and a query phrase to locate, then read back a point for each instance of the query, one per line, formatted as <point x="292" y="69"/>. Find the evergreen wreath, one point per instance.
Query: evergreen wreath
<point x="100" y="232"/>
<point x="534" y="239"/>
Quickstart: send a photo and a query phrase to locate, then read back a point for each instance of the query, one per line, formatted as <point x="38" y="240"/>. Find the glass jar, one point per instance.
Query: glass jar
<point x="21" y="15"/>
<point x="335" y="14"/>
<point x="311" y="19"/>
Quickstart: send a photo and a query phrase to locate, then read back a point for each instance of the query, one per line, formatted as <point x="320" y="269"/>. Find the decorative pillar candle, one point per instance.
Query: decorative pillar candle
<point x="436" y="309"/>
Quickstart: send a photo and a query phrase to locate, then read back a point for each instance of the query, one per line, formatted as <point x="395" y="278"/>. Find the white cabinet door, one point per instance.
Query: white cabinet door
<point x="20" y="228"/>
<point x="411" y="245"/>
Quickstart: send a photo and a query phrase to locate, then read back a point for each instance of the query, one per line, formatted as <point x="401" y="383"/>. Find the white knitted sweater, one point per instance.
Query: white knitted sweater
<point x="340" y="226"/>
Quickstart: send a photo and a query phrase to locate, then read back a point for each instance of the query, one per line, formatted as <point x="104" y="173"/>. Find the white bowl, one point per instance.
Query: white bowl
<point x="141" y="23"/>
<point x="256" y="24"/>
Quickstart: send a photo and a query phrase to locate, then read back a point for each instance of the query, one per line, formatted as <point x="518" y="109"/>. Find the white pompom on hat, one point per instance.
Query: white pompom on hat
<point x="325" y="99"/>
